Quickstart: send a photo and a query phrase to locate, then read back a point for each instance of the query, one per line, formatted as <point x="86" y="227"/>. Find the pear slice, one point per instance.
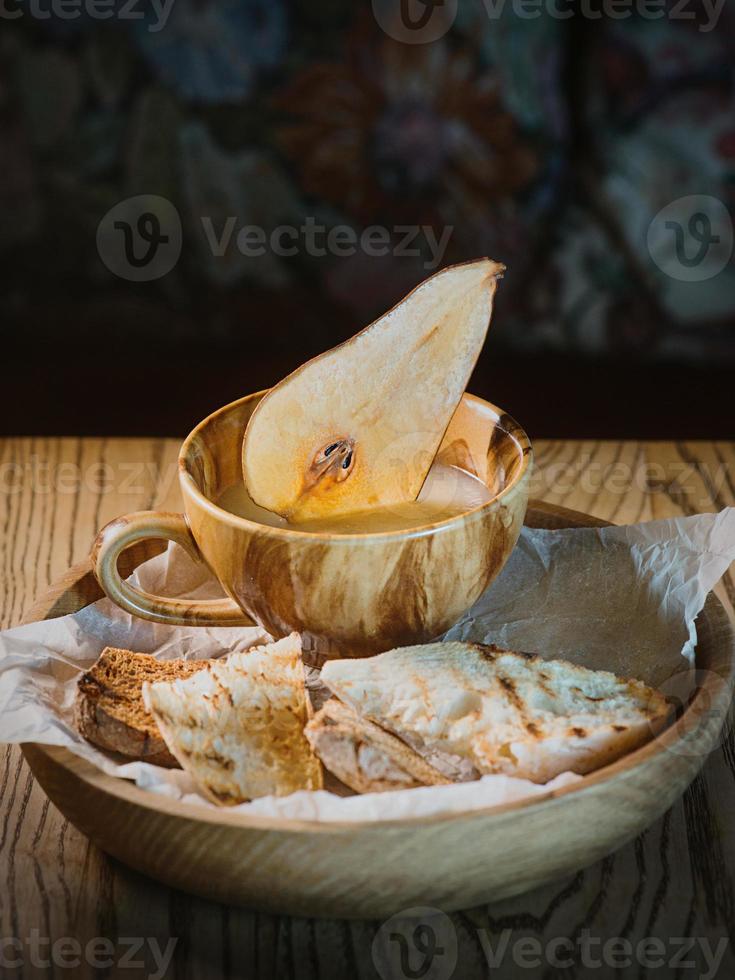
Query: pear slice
<point x="358" y="426"/>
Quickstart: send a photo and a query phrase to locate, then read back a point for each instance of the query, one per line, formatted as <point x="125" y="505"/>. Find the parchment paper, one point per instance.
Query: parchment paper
<point x="621" y="599"/>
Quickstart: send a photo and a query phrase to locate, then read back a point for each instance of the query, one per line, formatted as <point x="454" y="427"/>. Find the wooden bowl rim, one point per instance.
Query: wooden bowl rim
<point x="510" y="427"/>
<point x="717" y="685"/>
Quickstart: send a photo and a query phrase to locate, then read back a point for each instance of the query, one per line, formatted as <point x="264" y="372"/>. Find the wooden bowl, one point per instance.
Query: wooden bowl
<point x="370" y="870"/>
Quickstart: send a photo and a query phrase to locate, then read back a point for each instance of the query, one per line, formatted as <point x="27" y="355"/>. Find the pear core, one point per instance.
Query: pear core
<point x="359" y="426"/>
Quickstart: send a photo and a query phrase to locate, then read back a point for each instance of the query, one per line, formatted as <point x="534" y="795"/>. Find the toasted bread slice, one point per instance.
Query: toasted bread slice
<point x="109" y="710"/>
<point x="238" y="727"/>
<point x="471" y="710"/>
<point x="364" y="756"/>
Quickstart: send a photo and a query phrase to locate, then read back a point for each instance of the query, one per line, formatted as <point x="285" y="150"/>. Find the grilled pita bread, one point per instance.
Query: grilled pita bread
<point x="238" y="727"/>
<point x="471" y="710"/>
<point x="364" y="756"/>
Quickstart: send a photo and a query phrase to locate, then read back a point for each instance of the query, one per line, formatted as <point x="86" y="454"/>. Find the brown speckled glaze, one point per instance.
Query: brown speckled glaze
<point x="350" y="595"/>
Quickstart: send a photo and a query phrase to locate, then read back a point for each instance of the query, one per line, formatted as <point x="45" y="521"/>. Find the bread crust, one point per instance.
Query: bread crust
<point x="109" y="709"/>
<point x="364" y="756"/>
<point x="107" y="732"/>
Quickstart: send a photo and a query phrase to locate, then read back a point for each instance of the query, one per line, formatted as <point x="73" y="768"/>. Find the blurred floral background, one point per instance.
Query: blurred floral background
<point x="548" y="144"/>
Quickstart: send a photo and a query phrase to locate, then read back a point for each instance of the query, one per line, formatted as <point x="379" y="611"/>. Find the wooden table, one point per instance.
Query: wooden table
<point x="673" y="885"/>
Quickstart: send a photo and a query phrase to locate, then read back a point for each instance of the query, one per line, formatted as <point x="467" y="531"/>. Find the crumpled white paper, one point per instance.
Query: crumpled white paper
<point x="621" y="599"/>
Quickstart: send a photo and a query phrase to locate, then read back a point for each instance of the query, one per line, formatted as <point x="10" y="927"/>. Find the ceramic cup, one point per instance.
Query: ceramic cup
<point x="347" y="594"/>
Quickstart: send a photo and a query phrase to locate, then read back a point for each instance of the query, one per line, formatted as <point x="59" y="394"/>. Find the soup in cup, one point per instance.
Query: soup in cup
<point x="355" y="588"/>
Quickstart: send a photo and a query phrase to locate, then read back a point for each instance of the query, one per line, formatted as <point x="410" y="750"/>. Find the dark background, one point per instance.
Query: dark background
<point x="551" y="145"/>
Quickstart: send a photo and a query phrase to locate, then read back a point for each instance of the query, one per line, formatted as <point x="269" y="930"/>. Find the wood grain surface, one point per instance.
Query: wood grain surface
<point x="673" y="886"/>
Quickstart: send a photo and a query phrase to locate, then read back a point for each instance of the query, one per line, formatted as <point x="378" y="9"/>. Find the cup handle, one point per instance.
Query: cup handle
<point x="125" y="531"/>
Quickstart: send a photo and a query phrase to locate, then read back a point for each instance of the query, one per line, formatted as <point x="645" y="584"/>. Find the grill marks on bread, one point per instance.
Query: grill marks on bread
<point x="472" y="709"/>
<point x="414" y="716"/>
<point x="238" y="727"/>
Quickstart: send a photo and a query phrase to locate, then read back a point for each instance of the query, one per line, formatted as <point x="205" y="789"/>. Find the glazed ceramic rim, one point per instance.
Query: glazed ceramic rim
<point x="504" y="420"/>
